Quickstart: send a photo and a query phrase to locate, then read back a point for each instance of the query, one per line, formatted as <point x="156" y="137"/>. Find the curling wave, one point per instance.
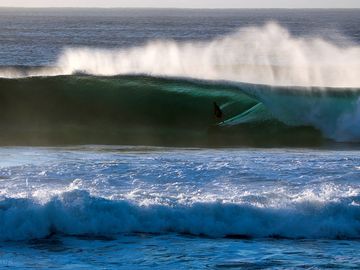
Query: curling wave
<point x="270" y="85"/>
<point x="143" y="110"/>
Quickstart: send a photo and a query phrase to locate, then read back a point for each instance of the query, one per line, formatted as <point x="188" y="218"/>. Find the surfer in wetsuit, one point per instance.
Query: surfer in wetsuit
<point x="217" y="111"/>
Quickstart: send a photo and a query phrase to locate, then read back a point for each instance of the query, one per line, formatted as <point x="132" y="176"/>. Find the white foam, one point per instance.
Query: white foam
<point x="78" y="213"/>
<point x="262" y="55"/>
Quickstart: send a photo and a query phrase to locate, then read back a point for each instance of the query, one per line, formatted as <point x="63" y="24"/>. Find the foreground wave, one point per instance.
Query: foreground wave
<point x="78" y="213"/>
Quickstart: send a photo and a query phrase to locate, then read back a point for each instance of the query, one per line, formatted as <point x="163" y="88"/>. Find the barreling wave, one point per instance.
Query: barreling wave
<point x="80" y="109"/>
<point x="274" y="89"/>
<point x="78" y="213"/>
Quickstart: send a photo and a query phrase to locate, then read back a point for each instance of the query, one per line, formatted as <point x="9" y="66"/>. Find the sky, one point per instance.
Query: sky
<point x="185" y="3"/>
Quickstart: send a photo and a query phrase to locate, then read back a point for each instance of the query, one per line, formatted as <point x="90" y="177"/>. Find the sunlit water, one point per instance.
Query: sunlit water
<point x="135" y="207"/>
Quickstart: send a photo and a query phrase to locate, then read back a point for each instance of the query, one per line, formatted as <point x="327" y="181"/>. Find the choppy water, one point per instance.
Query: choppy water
<point x="133" y="207"/>
<point x="77" y="77"/>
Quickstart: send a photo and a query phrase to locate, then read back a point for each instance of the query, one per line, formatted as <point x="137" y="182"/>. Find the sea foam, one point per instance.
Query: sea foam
<point x="78" y="213"/>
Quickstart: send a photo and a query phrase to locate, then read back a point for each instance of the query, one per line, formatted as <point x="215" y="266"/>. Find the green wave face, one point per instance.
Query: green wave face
<point x="140" y="110"/>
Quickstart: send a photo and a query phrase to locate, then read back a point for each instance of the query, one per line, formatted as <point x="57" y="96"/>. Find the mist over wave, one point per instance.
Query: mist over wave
<point x="263" y="55"/>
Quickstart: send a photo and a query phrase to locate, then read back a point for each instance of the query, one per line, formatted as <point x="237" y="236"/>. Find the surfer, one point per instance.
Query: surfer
<point x="217" y="111"/>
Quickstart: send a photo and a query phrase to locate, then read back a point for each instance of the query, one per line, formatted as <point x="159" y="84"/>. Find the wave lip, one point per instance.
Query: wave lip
<point x="16" y="72"/>
<point x="78" y="213"/>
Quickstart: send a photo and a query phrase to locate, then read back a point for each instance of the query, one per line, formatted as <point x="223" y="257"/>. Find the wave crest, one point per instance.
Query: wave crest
<point x="78" y="213"/>
<point x="263" y="55"/>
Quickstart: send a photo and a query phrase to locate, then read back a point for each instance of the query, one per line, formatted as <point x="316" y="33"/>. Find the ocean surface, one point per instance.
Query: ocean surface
<point x="111" y="156"/>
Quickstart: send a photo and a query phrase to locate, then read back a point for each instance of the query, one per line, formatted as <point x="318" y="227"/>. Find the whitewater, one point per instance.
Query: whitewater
<point x="107" y="191"/>
<point x="111" y="194"/>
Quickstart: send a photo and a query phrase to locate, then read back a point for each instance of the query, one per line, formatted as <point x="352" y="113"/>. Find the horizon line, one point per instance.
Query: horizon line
<point x="195" y="8"/>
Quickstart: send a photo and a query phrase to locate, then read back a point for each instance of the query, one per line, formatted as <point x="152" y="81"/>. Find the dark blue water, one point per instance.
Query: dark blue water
<point x="36" y="37"/>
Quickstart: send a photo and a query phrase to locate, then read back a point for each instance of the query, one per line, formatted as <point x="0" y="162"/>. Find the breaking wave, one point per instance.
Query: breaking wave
<point x="261" y="55"/>
<point x="269" y="84"/>
<point x="173" y="112"/>
<point x="78" y="213"/>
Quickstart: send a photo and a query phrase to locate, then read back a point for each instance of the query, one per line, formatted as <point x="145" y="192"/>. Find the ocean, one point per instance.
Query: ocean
<point x="111" y="156"/>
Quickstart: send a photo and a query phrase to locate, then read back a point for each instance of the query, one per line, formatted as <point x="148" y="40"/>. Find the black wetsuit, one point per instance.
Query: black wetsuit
<point x="217" y="111"/>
